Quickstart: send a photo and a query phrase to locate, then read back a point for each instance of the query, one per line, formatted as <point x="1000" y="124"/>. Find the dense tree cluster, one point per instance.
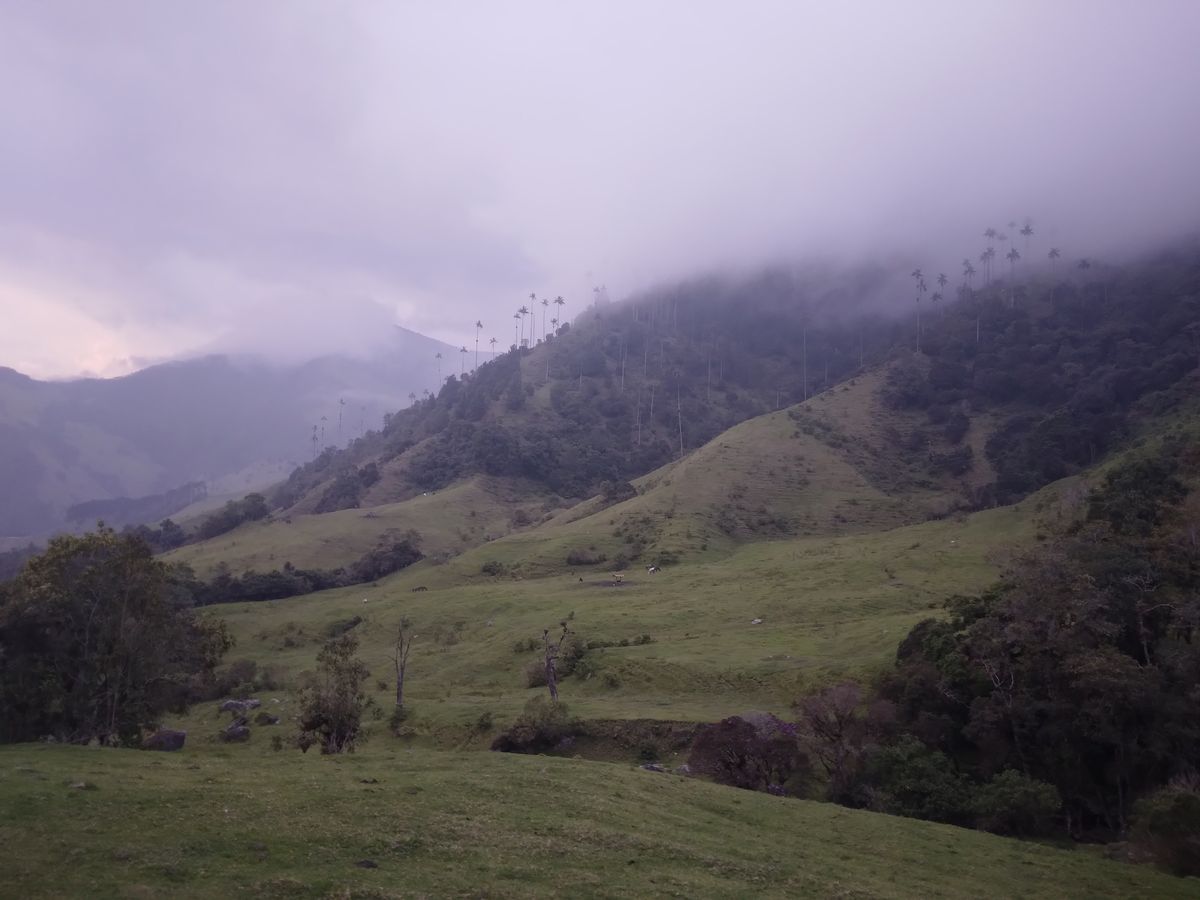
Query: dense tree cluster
<point x="1063" y="364"/>
<point x="250" y="508"/>
<point x="290" y="581"/>
<point x="96" y="643"/>
<point x="1082" y="668"/>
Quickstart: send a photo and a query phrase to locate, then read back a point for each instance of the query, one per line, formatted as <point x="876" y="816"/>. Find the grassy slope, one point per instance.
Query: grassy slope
<point x="831" y="606"/>
<point x="823" y="467"/>
<point x="246" y="822"/>
<point x="448" y="521"/>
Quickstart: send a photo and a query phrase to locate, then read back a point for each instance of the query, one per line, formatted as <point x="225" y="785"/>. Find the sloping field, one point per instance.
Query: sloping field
<point x="393" y="822"/>
<point x="829" y="606"/>
<point x="448" y="521"/>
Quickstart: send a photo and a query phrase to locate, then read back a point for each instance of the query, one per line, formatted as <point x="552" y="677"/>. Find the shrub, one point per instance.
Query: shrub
<point x="492" y="567"/>
<point x="534" y="674"/>
<point x="333" y="706"/>
<point x="1167" y="823"/>
<point x="400" y="715"/>
<point x="588" y="557"/>
<point x="544" y="725"/>
<point x="758" y="755"/>
<point x="337" y="628"/>
<point x="909" y="779"/>
<point x="1013" y="803"/>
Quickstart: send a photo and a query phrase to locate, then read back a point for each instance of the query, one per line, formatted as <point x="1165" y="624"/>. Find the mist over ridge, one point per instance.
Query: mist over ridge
<point x="225" y="179"/>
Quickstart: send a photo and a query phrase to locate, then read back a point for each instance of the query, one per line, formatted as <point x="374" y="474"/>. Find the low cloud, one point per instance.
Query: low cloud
<point x="293" y="178"/>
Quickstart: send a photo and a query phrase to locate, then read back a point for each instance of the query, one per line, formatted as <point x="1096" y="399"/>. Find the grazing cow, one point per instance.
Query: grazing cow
<point x="650" y="570"/>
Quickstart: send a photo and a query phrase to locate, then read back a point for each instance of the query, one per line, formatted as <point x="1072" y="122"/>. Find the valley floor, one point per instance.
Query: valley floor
<point x="396" y="822"/>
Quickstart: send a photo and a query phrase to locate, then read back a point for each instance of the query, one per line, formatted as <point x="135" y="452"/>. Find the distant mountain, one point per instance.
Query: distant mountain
<point x="65" y="444"/>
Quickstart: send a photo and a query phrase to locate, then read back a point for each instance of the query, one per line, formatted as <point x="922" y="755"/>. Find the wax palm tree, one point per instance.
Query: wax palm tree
<point x="968" y="272"/>
<point x="1027" y="233"/>
<point x="934" y="299"/>
<point x="920" y="290"/>
<point x="478" y="327"/>
<point x="989" y="233"/>
<point x="1053" y="256"/>
<point x="438" y="357"/>
<point x="524" y="311"/>
<point x="560" y="303"/>
<point x="412" y="398"/>
<point x="942" y="281"/>
<point x="1012" y="256"/>
<point x="516" y="340"/>
<point x="462" y="365"/>
<point x="493" y="343"/>
<point x="545" y="306"/>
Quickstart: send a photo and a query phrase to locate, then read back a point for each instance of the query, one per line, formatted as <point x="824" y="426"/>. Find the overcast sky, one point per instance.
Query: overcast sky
<point x="179" y="176"/>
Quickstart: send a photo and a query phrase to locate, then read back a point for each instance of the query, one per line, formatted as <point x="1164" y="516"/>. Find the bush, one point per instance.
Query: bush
<point x="492" y="567"/>
<point x="1167" y="823"/>
<point x="342" y="626"/>
<point x="758" y="755"/>
<point x="400" y="715"/>
<point x="333" y="706"/>
<point x="534" y="673"/>
<point x="1013" y="803"/>
<point x="543" y="726"/>
<point x="909" y="779"/>
<point x="588" y="557"/>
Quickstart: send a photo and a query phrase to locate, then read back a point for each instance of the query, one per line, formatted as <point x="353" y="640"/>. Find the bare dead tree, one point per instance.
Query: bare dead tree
<point x="551" y="659"/>
<point x="404" y="639"/>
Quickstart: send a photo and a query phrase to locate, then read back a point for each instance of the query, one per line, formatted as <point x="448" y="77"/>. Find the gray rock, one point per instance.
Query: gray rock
<point x="240" y="706"/>
<point x="654" y="767"/>
<point x="236" y="733"/>
<point x="165" y="739"/>
<point x="367" y="864"/>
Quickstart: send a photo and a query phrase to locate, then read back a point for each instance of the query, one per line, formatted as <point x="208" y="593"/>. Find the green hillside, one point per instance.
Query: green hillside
<point x="213" y="822"/>
<point x="830" y="606"/>
<point x="448" y="521"/>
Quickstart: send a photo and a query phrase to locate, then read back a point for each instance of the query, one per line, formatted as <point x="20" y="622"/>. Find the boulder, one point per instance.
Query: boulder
<point x="654" y="767"/>
<point x="266" y="719"/>
<point x="240" y="706"/>
<point x="165" y="739"/>
<point x="237" y="732"/>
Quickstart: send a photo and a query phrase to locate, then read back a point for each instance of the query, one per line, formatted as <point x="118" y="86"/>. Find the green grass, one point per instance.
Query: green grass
<point x="448" y="521"/>
<point x="214" y="822"/>
<point x="831" y="607"/>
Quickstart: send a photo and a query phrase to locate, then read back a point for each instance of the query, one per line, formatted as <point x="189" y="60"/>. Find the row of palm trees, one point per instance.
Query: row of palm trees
<point x="986" y="260"/>
<point x="519" y="335"/>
